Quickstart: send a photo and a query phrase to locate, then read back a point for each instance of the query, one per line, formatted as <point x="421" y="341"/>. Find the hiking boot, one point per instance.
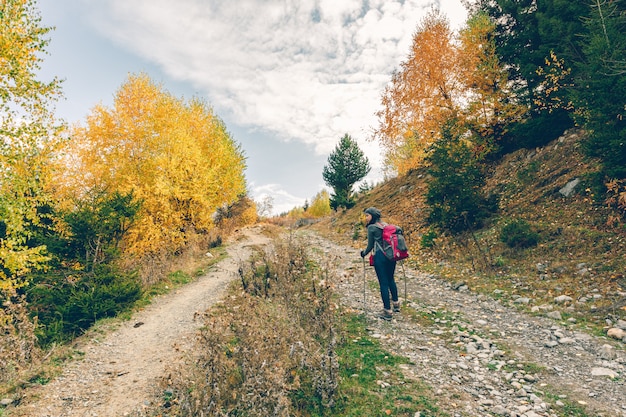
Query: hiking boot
<point x="396" y="306"/>
<point x="385" y="315"/>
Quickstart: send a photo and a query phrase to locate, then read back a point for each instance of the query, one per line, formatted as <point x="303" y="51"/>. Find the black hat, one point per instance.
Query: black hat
<point x="374" y="212"/>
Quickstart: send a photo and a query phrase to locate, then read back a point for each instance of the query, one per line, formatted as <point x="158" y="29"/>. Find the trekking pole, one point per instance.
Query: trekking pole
<point x="364" y="292"/>
<point x="404" y="273"/>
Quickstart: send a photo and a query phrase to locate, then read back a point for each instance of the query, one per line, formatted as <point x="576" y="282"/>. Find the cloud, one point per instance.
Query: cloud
<point x="300" y="70"/>
<point x="282" y="200"/>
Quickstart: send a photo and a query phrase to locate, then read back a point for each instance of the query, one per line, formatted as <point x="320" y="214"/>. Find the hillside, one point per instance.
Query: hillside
<point x="578" y="254"/>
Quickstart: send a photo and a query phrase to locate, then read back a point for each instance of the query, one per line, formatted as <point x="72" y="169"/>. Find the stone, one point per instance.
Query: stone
<point x="500" y="411"/>
<point x="616" y="333"/>
<point x="621" y="324"/>
<point x="562" y="299"/>
<point x="603" y="372"/>
<point x="556" y="315"/>
<point x="569" y="187"/>
<point x="607" y="352"/>
<point x="6" y="401"/>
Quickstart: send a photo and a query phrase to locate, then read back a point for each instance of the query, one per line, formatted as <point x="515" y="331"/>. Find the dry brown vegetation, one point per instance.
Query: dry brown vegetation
<point x="273" y="336"/>
<point x="572" y="231"/>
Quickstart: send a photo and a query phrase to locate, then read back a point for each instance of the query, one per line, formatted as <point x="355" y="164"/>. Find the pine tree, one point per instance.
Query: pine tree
<point x="600" y="85"/>
<point x="346" y="165"/>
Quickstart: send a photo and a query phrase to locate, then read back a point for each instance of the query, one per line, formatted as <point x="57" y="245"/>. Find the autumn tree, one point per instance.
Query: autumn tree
<point x="346" y="166"/>
<point x="176" y="157"/>
<point x="422" y="95"/>
<point x="490" y="106"/>
<point x="28" y="133"/>
<point x="27" y="142"/>
<point x="320" y="205"/>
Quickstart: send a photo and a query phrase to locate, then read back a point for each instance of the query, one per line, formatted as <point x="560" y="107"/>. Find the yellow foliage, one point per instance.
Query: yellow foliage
<point x="27" y="139"/>
<point x="176" y="157"/>
<point x="422" y="96"/>
<point x="320" y="205"/>
<point x="488" y="107"/>
<point x="444" y="78"/>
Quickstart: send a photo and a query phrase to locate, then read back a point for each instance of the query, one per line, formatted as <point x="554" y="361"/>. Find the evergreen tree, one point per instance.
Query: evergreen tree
<point x="600" y="85"/>
<point x="346" y="165"/>
<point x="454" y="192"/>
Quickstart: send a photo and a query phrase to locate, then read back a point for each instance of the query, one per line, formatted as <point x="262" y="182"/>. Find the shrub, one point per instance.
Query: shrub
<point x="18" y="341"/>
<point x="242" y="368"/>
<point x="454" y="193"/>
<point x="69" y="302"/>
<point x="519" y="234"/>
<point x="428" y="239"/>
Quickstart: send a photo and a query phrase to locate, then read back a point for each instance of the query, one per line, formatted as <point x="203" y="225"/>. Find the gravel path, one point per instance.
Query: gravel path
<point x="483" y="358"/>
<point x="118" y="374"/>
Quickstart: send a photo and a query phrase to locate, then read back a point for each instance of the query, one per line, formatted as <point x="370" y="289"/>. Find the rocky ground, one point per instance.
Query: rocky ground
<point x="482" y="357"/>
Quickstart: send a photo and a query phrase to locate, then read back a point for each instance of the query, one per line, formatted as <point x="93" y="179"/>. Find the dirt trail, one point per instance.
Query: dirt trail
<point x="118" y="374"/>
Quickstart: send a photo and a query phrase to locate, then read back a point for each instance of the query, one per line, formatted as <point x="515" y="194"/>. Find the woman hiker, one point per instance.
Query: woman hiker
<point x="385" y="269"/>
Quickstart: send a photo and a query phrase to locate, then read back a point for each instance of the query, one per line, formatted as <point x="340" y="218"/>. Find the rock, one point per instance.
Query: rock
<point x="551" y="343"/>
<point x="569" y="187"/>
<point x="562" y="299"/>
<point x="556" y="315"/>
<point x="522" y="300"/>
<point x="458" y="285"/>
<point x="607" y="352"/>
<point x="603" y="372"/>
<point x="616" y="333"/>
<point x="621" y="324"/>
<point x="566" y="341"/>
<point x="500" y="411"/>
<point x="6" y="401"/>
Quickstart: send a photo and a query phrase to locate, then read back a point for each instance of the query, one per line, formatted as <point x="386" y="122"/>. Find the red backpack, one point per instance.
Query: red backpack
<point x="394" y="246"/>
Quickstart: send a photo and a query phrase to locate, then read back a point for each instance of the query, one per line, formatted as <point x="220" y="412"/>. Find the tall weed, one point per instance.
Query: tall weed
<point x="270" y="349"/>
<point x="18" y="344"/>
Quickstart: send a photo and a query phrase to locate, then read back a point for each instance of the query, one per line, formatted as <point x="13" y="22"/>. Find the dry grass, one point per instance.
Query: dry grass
<point x="273" y="337"/>
<point x="18" y="345"/>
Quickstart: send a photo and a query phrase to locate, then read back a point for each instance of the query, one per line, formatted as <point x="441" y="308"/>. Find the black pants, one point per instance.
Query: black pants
<point x="385" y="270"/>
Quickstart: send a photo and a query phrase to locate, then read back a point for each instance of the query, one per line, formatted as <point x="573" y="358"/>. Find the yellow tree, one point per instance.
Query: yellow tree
<point x="490" y="105"/>
<point x="422" y="95"/>
<point x="320" y="205"/>
<point x="27" y="130"/>
<point x="176" y="157"/>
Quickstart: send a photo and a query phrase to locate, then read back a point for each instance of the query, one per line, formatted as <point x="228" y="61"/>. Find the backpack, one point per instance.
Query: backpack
<point x="394" y="246"/>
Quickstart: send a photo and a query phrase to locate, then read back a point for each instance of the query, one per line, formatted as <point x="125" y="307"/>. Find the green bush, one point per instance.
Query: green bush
<point x="428" y="239"/>
<point x="519" y="234"/>
<point x="66" y="304"/>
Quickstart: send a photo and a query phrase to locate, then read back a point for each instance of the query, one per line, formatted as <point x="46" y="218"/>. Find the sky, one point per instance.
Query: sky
<point x="289" y="78"/>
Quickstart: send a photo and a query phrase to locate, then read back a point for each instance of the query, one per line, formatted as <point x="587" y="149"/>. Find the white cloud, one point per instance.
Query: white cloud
<point x="283" y="201"/>
<point x="304" y="70"/>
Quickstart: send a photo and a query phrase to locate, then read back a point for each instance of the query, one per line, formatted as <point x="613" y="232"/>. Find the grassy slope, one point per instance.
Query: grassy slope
<point x="573" y="231"/>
